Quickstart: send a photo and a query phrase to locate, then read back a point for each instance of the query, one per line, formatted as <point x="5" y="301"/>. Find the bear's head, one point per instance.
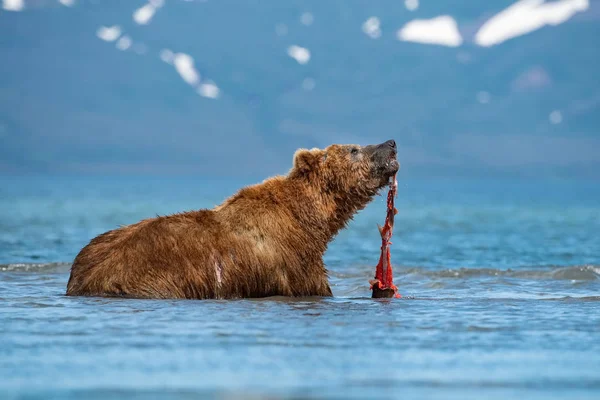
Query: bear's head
<point x="348" y="169"/>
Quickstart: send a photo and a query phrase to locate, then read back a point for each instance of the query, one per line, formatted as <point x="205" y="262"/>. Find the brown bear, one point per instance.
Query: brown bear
<point x="266" y="240"/>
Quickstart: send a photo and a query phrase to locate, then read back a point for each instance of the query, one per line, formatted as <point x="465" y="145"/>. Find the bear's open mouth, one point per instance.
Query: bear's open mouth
<point x="391" y="165"/>
<point x="387" y="170"/>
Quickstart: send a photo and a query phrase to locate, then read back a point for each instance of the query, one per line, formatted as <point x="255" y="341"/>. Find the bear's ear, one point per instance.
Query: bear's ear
<point x="307" y="160"/>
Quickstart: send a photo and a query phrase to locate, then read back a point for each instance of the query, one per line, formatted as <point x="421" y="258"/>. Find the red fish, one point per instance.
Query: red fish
<point x="383" y="284"/>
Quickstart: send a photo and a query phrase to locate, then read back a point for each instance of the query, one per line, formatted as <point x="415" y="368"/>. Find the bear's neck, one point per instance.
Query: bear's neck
<point x="322" y="210"/>
<point x="316" y="213"/>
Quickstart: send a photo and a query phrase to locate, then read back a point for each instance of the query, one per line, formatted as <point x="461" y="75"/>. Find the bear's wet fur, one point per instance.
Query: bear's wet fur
<point x="266" y="240"/>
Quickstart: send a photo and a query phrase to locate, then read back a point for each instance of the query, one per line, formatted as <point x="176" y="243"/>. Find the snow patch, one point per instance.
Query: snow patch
<point x="13" y="5"/>
<point x="144" y="14"/>
<point x="124" y="43"/>
<point x="526" y="16"/>
<point x="184" y="65"/>
<point x="167" y="56"/>
<point x="555" y="117"/>
<point x="441" y="30"/>
<point x="209" y="89"/>
<point x="372" y="28"/>
<point x="300" y="54"/>
<point x="109" y="33"/>
<point x="411" y="5"/>
<point x="307" y="19"/>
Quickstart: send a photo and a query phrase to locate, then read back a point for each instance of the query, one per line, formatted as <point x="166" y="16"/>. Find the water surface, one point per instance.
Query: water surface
<point x="500" y="283"/>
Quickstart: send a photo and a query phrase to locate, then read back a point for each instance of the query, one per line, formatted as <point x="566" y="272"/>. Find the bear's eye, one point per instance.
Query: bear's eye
<point x="354" y="151"/>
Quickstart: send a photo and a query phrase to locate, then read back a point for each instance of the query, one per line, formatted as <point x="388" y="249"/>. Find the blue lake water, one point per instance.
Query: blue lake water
<point x="500" y="282"/>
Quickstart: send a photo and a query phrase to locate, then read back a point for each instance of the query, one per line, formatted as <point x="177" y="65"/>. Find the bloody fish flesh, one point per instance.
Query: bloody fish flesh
<point x="383" y="284"/>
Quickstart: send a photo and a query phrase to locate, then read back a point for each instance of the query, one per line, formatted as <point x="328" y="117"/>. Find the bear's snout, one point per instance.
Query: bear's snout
<point x="384" y="158"/>
<point x="386" y="150"/>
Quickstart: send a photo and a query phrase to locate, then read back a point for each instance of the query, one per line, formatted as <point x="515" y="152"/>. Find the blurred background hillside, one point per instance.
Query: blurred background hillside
<point x="232" y="88"/>
<point x="113" y="111"/>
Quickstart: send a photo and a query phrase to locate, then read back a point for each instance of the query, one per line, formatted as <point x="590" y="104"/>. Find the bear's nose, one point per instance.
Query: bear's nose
<point x="391" y="143"/>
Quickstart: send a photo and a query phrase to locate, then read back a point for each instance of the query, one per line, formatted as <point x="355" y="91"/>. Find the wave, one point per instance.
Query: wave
<point x="55" y="267"/>
<point x="574" y="272"/>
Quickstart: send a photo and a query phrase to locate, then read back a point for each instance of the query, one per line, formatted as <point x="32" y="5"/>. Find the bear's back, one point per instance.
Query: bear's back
<point x="157" y="257"/>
